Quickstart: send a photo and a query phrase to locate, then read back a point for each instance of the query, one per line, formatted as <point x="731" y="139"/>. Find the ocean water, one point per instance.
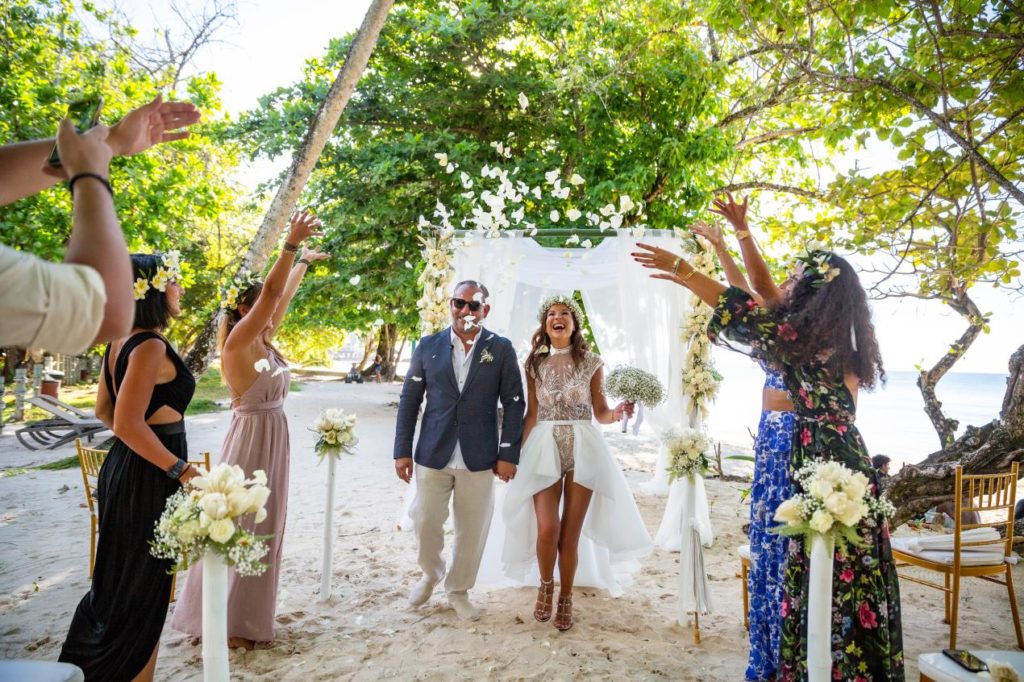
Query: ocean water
<point x="891" y="418"/>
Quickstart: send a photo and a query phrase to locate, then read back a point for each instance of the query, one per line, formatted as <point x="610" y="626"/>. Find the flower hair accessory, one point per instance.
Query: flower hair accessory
<point x="241" y="283"/>
<point x="169" y="271"/>
<point x="560" y="299"/>
<point x="818" y="266"/>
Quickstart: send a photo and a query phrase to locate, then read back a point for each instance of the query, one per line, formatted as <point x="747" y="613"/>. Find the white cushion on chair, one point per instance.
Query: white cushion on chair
<point x="978" y="556"/>
<point x="744" y="552"/>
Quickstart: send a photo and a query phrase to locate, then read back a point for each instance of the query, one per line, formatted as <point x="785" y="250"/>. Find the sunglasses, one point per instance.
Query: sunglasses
<point x="461" y="303"/>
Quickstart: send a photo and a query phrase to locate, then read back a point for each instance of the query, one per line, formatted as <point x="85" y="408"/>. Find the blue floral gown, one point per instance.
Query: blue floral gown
<point x="867" y="633"/>
<point x="768" y="550"/>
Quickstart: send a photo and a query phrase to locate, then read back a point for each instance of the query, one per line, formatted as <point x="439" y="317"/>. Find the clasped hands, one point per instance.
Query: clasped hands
<point x="506" y="471"/>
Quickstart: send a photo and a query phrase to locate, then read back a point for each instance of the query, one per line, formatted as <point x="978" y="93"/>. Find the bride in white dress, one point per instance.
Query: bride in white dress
<point x="566" y="466"/>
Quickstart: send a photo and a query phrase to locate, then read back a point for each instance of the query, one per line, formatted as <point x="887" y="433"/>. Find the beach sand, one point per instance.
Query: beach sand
<point x="366" y="631"/>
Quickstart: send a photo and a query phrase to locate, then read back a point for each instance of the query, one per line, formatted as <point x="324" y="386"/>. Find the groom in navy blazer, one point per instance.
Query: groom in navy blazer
<point x="463" y="371"/>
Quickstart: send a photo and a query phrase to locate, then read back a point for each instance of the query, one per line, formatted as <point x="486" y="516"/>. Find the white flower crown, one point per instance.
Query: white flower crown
<point x="560" y="299"/>
<point x="240" y="283"/>
<point x="169" y="271"/>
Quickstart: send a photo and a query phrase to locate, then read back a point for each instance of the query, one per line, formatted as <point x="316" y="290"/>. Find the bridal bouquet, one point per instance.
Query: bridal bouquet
<point x="686" y="452"/>
<point x="337" y="433"/>
<point x="835" y="501"/>
<point x="634" y="386"/>
<point x="202" y="517"/>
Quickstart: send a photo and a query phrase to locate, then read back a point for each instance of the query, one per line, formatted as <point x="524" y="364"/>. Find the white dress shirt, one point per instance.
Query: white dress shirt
<point x="461" y="361"/>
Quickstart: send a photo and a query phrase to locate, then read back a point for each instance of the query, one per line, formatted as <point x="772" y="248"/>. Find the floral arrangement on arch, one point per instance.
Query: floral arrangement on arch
<point x="496" y="200"/>
<point x="203" y="515"/>
<point x="687" y="452"/>
<point x="834" y="502"/>
<point x="634" y="385"/>
<point x="337" y="432"/>
<point x="700" y="379"/>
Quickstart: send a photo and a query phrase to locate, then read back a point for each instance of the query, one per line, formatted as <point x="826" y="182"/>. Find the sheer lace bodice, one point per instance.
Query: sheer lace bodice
<point x="563" y="394"/>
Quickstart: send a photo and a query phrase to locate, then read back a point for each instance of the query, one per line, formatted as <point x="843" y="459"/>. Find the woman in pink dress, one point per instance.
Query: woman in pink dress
<point x="257" y="438"/>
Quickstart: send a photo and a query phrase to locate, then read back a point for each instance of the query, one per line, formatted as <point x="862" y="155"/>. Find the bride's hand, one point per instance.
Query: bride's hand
<point x="655" y="257"/>
<point x="623" y="408"/>
<point x="713" y="233"/>
<point x="313" y="255"/>
<point x="731" y="211"/>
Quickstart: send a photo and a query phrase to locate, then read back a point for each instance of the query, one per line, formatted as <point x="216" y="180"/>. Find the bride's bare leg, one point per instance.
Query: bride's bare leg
<point x="577" y="500"/>
<point x="545" y="506"/>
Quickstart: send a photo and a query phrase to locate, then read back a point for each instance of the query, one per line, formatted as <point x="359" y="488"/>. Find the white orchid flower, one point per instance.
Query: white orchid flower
<point x="523" y="102"/>
<point x="554" y="216"/>
<point x="261" y="365"/>
<point x="573" y="215"/>
<point x="552" y="176"/>
<point x="354" y="280"/>
<point x="576" y="179"/>
<point x="442" y="159"/>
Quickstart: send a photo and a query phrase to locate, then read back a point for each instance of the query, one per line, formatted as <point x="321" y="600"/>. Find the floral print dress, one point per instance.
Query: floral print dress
<point x="768" y="550"/>
<point x="867" y="637"/>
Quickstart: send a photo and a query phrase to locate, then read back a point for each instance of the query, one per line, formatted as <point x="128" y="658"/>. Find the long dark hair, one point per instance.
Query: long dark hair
<point x="541" y="338"/>
<point x="231" y="316"/>
<point x="823" y="314"/>
<point x="151" y="311"/>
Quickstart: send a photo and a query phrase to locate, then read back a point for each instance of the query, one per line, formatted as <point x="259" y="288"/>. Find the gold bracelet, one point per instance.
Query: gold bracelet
<point x="743" y="234"/>
<point x="688" y="275"/>
<point x="676" y="264"/>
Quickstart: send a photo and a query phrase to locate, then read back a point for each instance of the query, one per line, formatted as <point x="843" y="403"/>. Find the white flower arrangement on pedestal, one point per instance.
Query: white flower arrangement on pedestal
<point x="835" y="501"/>
<point x="435" y="280"/>
<point x="687" y="452"/>
<point x="337" y="431"/>
<point x="634" y="386"/>
<point x="202" y="517"/>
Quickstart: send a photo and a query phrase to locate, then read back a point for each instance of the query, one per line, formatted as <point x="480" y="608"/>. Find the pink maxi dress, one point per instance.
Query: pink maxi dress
<point x="256" y="439"/>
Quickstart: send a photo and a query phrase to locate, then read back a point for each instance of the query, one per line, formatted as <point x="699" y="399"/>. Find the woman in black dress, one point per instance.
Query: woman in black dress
<point x="115" y="632"/>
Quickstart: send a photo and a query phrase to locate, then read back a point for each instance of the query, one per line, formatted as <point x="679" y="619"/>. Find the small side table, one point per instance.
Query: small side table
<point x="937" y="667"/>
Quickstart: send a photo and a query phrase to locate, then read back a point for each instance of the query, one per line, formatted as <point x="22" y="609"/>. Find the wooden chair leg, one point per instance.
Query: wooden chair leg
<point x="746" y="597"/>
<point x="945" y="596"/>
<point x="1013" y="606"/>
<point x="956" y="608"/>
<point x="92" y="545"/>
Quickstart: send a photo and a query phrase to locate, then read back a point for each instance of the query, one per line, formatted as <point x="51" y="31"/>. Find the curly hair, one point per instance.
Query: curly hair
<point x="540" y="338"/>
<point x="823" y="316"/>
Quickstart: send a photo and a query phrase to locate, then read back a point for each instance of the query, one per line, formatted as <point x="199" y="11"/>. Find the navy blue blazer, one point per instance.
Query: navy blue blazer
<point x="470" y="416"/>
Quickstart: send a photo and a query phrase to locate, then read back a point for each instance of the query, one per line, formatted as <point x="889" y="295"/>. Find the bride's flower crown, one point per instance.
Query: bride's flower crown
<point x="241" y="283"/>
<point x="169" y="271"/>
<point x="560" y="299"/>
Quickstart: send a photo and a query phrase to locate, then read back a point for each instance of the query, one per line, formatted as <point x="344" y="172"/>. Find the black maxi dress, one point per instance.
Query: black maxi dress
<point x="118" y="623"/>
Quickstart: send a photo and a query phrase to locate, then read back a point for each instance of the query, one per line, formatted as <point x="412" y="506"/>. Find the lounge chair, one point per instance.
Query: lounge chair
<point x="68" y="423"/>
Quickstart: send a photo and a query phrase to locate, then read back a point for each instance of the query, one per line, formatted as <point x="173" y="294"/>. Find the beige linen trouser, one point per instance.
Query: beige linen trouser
<point x="473" y="507"/>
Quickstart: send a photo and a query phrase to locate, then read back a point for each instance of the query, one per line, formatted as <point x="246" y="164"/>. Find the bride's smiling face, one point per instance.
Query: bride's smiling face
<point x="558" y="324"/>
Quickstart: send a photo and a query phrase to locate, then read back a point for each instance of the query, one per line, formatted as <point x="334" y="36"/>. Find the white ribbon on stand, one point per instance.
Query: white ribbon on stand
<point x="819" y="609"/>
<point x="325" y="569"/>
<point x="215" y="618"/>
<point x="694" y="594"/>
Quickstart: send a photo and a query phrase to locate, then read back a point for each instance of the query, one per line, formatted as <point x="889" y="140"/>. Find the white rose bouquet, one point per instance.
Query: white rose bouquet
<point x="834" y="502"/>
<point x="337" y="433"/>
<point x="634" y="386"/>
<point x="687" y="450"/>
<point x="202" y="517"/>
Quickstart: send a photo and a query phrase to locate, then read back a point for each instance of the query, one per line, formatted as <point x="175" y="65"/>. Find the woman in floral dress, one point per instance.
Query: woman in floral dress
<point x="772" y="449"/>
<point x="822" y="339"/>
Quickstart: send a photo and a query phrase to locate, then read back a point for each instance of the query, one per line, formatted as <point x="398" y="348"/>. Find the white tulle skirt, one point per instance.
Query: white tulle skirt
<point x="614" y="535"/>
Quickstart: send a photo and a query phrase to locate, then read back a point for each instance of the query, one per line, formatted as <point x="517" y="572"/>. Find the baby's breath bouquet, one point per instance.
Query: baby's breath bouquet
<point x="834" y="502"/>
<point x="337" y="433"/>
<point x="687" y="450"/>
<point x="634" y="386"/>
<point x="202" y="517"/>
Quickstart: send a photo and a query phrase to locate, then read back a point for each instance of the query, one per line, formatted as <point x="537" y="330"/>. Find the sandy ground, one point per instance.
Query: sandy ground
<point x="367" y="632"/>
